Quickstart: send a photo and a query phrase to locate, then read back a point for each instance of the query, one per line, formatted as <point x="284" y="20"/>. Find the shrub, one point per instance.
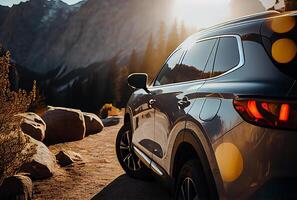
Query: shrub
<point x="15" y="148"/>
<point x="12" y="102"/>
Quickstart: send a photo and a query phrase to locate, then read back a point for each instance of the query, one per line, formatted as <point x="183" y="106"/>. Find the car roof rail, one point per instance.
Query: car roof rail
<point x="261" y="15"/>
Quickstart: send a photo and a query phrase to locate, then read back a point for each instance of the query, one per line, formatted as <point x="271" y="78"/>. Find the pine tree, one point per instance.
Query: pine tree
<point x="112" y="86"/>
<point x="133" y="65"/>
<point x="124" y="90"/>
<point x="173" y="39"/>
<point x="161" y="55"/>
<point x="184" y="33"/>
<point x="148" y="59"/>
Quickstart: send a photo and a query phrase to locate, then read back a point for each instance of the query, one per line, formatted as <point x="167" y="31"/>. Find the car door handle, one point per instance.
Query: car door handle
<point x="184" y="102"/>
<point x="152" y="101"/>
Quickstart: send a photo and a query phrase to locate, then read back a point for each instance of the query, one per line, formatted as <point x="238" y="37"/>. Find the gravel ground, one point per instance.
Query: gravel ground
<point x="98" y="177"/>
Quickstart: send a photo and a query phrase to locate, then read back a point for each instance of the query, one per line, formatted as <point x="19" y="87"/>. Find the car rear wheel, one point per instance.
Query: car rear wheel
<point x="131" y="164"/>
<point x="191" y="184"/>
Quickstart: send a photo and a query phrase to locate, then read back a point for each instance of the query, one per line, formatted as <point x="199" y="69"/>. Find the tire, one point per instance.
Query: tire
<point x="131" y="164"/>
<point x="191" y="183"/>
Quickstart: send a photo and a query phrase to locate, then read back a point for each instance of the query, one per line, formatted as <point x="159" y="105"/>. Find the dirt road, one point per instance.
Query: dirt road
<point x="100" y="177"/>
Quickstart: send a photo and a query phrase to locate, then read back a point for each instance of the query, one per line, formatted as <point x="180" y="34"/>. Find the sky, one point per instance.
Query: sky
<point x="219" y="11"/>
<point x="11" y="2"/>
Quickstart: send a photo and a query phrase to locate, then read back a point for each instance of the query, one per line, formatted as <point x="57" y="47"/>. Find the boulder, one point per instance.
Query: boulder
<point x="63" y="125"/>
<point x="93" y="123"/>
<point x="42" y="164"/>
<point x="33" y="125"/>
<point x="65" y="158"/>
<point x="111" y="121"/>
<point x="16" y="187"/>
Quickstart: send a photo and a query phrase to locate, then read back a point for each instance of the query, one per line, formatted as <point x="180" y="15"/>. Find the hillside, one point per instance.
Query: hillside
<point x="79" y="53"/>
<point x="44" y="35"/>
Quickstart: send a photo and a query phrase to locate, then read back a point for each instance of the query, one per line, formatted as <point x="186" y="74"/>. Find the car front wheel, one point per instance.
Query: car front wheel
<point x="131" y="164"/>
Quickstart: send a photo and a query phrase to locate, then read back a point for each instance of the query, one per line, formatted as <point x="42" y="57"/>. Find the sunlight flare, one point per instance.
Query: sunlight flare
<point x="201" y="13"/>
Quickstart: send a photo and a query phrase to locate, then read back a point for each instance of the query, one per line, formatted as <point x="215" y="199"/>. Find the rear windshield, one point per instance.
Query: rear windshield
<point x="279" y="36"/>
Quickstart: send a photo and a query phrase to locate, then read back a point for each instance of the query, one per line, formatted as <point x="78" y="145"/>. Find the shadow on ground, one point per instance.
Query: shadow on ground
<point x="126" y="188"/>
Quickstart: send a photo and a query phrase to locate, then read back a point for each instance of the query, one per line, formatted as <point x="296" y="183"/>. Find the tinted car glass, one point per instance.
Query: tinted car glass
<point x="195" y="60"/>
<point x="164" y="76"/>
<point x="227" y="55"/>
<point x="209" y="66"/>
<point x="192" y="67"/>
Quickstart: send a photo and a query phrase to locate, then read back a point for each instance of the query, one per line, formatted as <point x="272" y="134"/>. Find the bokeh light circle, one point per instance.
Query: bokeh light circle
<point x="230" y="161"/>
<point x="282" y="24"/>
<point x="284" y="50"/>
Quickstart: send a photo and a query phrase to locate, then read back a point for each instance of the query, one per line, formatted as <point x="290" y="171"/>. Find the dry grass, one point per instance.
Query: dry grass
<point x="12" y="102"/>
<point x="15" y="148"/>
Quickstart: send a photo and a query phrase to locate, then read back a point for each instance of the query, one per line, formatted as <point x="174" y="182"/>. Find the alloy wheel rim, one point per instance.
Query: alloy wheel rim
<point x="188" y="190"/>
<point x="127" y="154"/>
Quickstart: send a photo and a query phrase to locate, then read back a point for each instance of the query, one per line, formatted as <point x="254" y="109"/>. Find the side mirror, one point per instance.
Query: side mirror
<point x="138" y="81"/>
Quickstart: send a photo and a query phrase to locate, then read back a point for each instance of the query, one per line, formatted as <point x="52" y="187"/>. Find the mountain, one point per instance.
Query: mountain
<point x="44" y="35"/>
<point x="3" y="12"/>
<point x="77" y="53"/>
<point x="102" y="29"/>
<point x="70" y="50"/>
<point x="29" y="28"/>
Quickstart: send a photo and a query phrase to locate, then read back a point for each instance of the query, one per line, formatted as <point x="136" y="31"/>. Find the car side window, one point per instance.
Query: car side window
<point x="227" y="56"/>
<point x="209" y="66"/>
<point x="192" y="66"/>
<point x="164" y="76"/>
<point x="195" y="61"/>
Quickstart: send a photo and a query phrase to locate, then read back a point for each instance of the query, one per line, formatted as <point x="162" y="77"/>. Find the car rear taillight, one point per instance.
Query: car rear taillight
<point x="268" y="113"/>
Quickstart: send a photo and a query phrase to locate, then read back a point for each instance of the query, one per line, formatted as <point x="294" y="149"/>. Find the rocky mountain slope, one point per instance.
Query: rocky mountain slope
<point x="31" y="27"/>
<point x="69" y="49"/>
<point x="43" y="35"/>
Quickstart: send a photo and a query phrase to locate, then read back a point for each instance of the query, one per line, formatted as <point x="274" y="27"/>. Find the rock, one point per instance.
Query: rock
<point x="65" y="158"/>
<point x="63" y="125"/>
<point x="93" y="123"/>
<point x="104" y="111"/>
<point x="109" y="110"/>
<point x="111" y="121"/>
<point x="43" y="163"/>
<point x="16" y="187"/>
<point x="33" y="125"/>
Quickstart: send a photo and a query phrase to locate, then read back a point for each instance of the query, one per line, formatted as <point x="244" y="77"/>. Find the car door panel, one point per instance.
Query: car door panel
<point x="144" y="117"/>
<point x="173" y="101"/>
<point x="217" y="115"/>
<point x="169" y="115"/>
<point x="143" y="121"/>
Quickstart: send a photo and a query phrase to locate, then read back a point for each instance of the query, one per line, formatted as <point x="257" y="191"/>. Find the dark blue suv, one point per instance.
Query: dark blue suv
<point x="220" y="118"/>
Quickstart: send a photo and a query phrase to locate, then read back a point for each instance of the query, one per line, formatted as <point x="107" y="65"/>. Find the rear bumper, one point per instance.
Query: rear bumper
<point x="259" y="157"/>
